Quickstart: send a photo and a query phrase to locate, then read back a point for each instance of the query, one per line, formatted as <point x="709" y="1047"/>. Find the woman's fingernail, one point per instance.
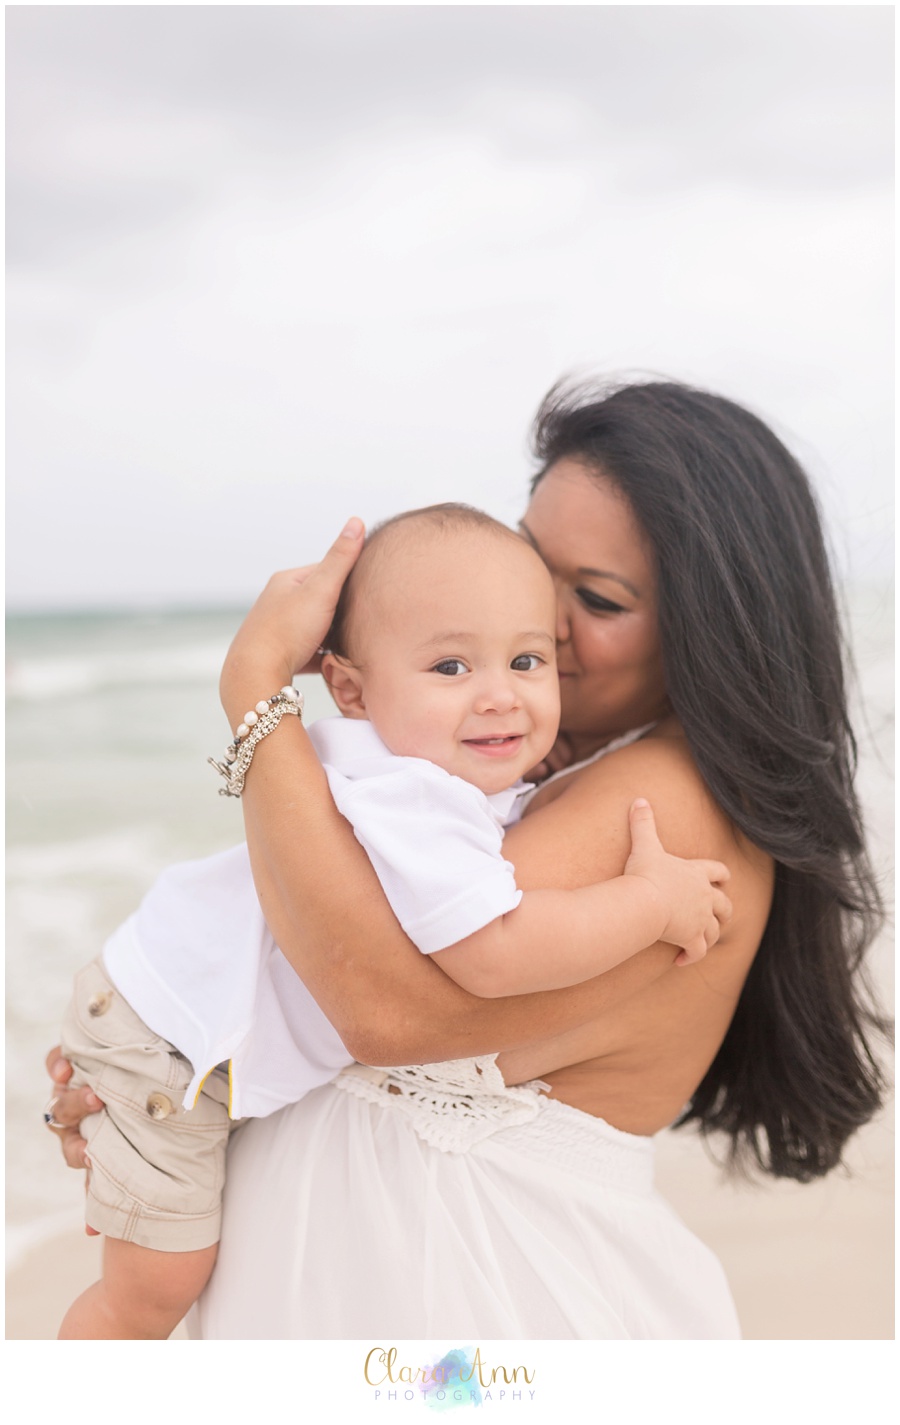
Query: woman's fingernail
<point x="353" y="528"/>
<point x="60" y="1066"/>
<point x="640" y="802"/>
<point x="93" y="1101"/>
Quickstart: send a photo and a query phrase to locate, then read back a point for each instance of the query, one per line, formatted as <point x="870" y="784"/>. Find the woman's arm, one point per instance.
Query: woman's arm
<point x="317" y="888"/>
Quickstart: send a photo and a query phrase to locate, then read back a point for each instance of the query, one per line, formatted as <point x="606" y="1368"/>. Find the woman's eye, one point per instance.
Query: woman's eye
<point x="597" y="604"/>
<point x="526" y="663"/>
<point x="450" y="667"/>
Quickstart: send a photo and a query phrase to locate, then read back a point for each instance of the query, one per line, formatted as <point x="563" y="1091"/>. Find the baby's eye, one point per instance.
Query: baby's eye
<point x="450" y="667"/>
<point x="526" y="663"/>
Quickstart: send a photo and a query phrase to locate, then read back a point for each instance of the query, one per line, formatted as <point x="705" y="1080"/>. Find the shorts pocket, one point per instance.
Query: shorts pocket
<point x="104" y="1017"/>
<point x="177" y="1166"/>
<point x="109" y="1044"/>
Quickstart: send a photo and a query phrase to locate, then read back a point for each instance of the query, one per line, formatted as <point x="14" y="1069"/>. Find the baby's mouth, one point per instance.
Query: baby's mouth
<point x="505" y="742"/>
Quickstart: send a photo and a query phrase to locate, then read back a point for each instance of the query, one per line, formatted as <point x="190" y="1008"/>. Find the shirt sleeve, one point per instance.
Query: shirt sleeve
<point x="436" y="847"/>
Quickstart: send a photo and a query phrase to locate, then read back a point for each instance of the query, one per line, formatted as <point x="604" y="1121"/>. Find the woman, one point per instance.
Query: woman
<point x="697" y="622"/>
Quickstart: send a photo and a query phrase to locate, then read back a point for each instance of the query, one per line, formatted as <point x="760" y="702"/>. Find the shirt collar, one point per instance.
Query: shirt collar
<point x="342" y="740"/>
<point x="339" y="740"/>
<point x="503" y="802"/>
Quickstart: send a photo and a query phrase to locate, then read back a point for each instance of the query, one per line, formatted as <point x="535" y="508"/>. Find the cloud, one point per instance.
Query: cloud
<point x="272" y="266"/>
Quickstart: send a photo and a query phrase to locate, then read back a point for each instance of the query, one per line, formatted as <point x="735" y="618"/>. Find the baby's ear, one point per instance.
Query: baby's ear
<point x="345" y="685"/>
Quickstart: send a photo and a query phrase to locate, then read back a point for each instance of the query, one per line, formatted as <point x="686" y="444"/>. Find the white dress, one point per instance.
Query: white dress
<point x="436" y="1203"/>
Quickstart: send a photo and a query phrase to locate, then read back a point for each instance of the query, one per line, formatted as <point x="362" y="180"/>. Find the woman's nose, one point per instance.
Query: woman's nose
<point x="563" y="627"/>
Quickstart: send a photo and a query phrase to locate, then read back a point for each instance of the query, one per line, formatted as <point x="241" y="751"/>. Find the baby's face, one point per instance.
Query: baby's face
<point x="457" y="655"/>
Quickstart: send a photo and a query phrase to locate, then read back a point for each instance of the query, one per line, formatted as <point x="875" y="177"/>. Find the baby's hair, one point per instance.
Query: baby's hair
<point x="390" y="533"/>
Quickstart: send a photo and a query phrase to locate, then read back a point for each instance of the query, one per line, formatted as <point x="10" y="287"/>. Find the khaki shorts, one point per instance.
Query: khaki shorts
<point x="157" y="1171"/>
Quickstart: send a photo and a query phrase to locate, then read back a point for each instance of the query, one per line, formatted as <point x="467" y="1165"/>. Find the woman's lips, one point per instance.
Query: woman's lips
<point x="502" y="746"/>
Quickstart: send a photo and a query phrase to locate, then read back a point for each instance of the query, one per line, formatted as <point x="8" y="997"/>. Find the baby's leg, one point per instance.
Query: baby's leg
<point x="157" y="1169"/>
<point x="142" y="1295"/>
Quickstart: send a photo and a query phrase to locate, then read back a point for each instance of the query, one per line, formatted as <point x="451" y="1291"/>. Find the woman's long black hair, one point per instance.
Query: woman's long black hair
<point x="753" y="659"/>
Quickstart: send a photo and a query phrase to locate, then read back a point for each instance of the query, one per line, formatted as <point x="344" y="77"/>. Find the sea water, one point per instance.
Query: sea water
<point x="111" y="717"/>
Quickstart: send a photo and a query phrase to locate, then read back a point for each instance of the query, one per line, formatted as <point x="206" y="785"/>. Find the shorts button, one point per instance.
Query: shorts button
<point x="99" y="1004"/>
<point x="158" y="1106"/>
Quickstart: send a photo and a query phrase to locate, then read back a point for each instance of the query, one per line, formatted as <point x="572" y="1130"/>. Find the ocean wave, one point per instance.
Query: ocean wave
<point x="29" y="678"/>
<point x="120" y="853"/>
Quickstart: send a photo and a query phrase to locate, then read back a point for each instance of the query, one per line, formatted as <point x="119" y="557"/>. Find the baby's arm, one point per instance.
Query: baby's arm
<point x="557" y="938"/>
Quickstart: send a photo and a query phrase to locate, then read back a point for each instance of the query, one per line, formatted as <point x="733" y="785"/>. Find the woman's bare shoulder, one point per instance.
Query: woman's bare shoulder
<point x="663" y="770"/>
<point x="581" y="822"/>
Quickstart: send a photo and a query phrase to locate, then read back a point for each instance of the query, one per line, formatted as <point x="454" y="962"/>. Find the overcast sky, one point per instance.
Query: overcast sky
<point x="272" y="266"/>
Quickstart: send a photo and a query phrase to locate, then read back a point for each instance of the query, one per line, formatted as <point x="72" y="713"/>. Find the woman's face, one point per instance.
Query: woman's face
<point x="610" y="661"/>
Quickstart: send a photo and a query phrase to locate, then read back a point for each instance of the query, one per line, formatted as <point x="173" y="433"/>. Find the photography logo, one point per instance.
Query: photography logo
<point x="462" y="1376"/>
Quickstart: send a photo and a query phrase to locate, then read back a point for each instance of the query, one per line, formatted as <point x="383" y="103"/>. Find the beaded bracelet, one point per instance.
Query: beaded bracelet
<point x="256" y="725"/>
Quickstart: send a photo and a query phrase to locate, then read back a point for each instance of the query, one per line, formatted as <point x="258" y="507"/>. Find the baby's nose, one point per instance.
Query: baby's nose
<point x="498" y="694"/>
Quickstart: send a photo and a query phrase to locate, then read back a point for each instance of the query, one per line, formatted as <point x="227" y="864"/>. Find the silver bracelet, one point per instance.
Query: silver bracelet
<point x="256" y="725"/>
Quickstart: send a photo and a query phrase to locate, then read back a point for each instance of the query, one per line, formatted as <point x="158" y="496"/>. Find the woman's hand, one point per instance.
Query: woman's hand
<point x="67" y="1107"/>
<point x="283" y="631"/>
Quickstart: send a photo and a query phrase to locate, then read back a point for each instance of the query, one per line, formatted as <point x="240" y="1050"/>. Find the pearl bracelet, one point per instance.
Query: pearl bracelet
<point x="256" y="725"/>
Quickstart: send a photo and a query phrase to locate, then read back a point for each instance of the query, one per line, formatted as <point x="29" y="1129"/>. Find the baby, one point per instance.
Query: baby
<point x="442" y="661"/>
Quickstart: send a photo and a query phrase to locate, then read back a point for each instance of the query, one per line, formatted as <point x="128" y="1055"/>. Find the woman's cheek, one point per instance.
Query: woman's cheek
<point x="604" y="649"/>
<point x="632" y="646"/>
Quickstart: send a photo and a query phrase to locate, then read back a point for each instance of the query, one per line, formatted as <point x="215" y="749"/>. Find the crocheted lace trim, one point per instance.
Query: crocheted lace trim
<point x="451" y="1105"/>
<point x="576" y="1142"/>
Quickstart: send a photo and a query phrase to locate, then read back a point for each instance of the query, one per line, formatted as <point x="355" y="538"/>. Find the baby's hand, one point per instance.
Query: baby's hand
<point x="690" y="891"/>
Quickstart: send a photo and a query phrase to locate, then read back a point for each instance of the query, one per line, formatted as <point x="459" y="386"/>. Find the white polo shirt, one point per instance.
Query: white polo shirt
<point x="199" y="965"/>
